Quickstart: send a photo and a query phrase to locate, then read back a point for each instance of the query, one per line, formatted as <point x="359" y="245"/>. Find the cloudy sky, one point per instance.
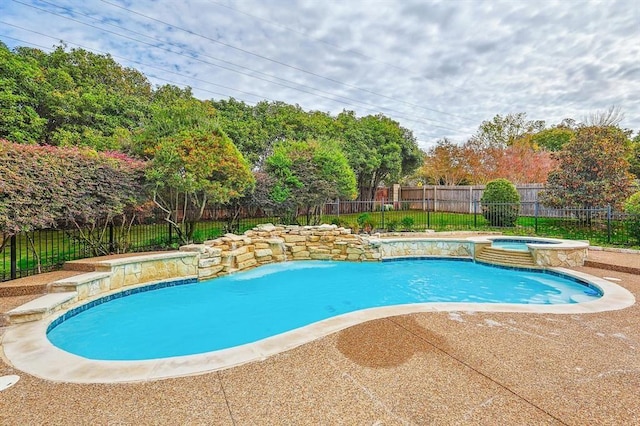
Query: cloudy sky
<point x="438" y="67"/>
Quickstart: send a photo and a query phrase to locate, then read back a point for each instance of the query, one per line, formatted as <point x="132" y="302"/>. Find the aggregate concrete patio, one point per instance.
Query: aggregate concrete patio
<point x="424" y="368"/>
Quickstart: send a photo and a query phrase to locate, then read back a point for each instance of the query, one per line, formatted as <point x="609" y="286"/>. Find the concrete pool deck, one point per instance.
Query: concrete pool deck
<point x="434" y="367"/>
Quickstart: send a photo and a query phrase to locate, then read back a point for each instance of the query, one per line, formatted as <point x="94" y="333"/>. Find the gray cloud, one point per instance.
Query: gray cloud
<point x="438" y="67"/>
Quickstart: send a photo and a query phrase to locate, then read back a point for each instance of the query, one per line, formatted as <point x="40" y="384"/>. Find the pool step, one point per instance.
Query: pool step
<point x="505" y="257"/>
<point x="85" y="285"/>
<point x="41" y="307"/>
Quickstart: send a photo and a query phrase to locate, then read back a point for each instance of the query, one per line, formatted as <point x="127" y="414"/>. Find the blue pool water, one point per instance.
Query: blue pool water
<point x="520" y="245"/>
<point x="253" y="305"/>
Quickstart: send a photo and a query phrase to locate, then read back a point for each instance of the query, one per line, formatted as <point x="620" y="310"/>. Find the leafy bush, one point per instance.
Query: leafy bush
<point x="500" y="203"/>
<point x="362" y="218"/>
<point x="366" y="222"/>
<point x="632" y="207"/>
<point x="407" y="223"/>
<point x="43" y="187"/>
<point x="392" y="225"/>
<point x="339" y="222"/>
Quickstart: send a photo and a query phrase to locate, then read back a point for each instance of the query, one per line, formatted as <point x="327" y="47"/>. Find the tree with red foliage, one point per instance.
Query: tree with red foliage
<point x="445" y="164"/>
<point x="520" y="163"/>
<point x="46" y="187"/>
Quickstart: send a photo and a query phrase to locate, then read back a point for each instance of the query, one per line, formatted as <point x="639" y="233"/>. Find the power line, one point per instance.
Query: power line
<point x="341" y="48"/>
<point x="161" y="78"/>
<point x="75" y="44"/>
<point x="376" y="107"/>
<point x="137" y="62"/>
<point x="315" y="39"/>
<point x="257" y="55"/>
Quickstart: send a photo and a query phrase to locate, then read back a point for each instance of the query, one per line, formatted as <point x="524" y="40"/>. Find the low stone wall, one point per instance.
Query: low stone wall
<point x="559" y="257"/>
<point x="268" y="243"/>
<point x="113" y="274"/>
<point x="411" y="247"/>
<point x="103" y="276"/>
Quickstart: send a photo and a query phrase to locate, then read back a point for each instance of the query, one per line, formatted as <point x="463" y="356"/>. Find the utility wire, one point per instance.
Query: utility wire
<point x="155" y="76"/>
<point x="376" y="108"/>
<point x="343" y="49"/>
<point x="75" y="44"/>
<point x="257" y="55"/>
<point x="135" y="62"/>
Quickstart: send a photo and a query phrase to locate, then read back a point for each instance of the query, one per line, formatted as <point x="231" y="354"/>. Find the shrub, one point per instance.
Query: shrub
<point x="392" y="225"/>
<point x="366" y="222"/>
<point x="355" y="228"/>
<point x="339" y="222"/>
<point x="407" y="223"/>
<point x="500" y="203"/>
<point x="632" y="208"/>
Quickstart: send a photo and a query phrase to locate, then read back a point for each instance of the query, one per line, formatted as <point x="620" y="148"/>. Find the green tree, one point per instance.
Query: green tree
<point x="592" y="170"/>
<point x="378" y="149"/>
<point x="192" y="170"/>
<point x="70" y="98"/>
<point x="305" y="175"/>
<point x="244" y="127"/>
<point x="255" y="129"/>
<point x="20" y="90"/>
<point x="173" y="111"/>
<point x="634" y="157"/>
<point x="553" y="139"/>
<point x="504" y="131"/>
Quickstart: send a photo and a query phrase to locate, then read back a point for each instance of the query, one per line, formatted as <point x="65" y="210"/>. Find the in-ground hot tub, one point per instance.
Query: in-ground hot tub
<point x="546" y="252"/>
<point x="518" y="244"/>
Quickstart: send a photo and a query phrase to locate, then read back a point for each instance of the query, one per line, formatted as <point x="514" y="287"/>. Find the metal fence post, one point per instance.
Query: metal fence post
<point x="338" y="202"/>
<point x="382" y="207"/>
<point x="608" y="223"/>
<point x="14" y="257"/>
<point x="475" y="214"/>
<point x="170" y="233"/>
<point x="535" y="217"/>
<point x="111" y="242"/>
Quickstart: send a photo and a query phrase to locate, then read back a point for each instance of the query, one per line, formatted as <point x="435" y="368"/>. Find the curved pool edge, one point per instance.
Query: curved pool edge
<point x="26" y="347"/>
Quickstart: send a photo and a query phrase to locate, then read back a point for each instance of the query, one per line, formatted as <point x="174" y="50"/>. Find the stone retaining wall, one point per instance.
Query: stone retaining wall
<point x="410" y="247"/>
<point x="113" y="274"/>
<point x="268" y="243"/>
<point x="564" y="257"/>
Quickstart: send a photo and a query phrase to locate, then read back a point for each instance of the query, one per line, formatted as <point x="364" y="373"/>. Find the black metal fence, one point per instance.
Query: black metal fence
<point x="46" y="250"/>
<point x="598" y="225"/>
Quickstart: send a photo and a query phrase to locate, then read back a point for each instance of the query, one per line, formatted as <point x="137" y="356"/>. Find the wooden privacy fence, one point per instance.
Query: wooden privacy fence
<point x="454" y="199"/>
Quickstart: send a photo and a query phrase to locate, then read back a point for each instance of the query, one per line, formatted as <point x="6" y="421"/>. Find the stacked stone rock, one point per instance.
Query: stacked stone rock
<point x="565" y="258"/>
<point x="268" y="243"/>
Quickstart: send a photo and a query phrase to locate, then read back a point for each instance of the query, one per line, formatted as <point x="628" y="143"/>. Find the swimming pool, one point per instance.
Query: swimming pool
<point x="270" y="300"/>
